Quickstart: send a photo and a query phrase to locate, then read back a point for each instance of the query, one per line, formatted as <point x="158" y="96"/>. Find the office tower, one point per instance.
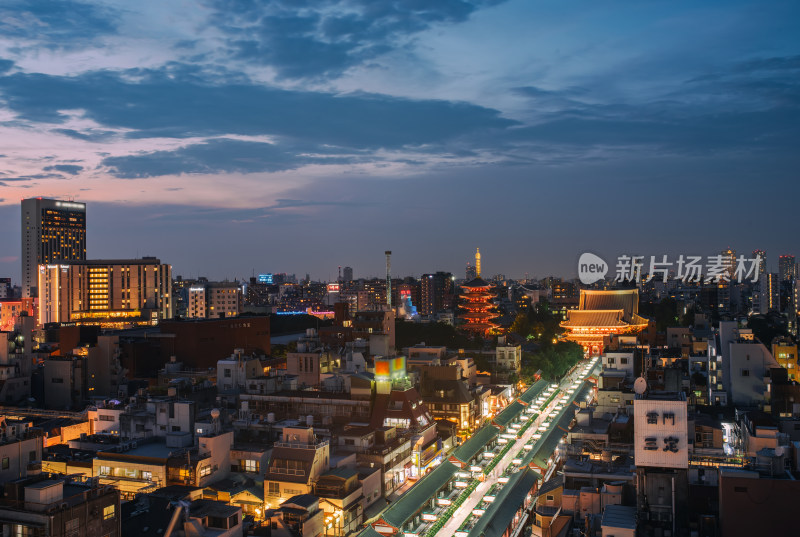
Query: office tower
<point x="110" y="293"/>
<point x="787" y="269"/>
<point x="52" y="230"/>
<point x="762" y="269"/>
<point x="347" y="274"/>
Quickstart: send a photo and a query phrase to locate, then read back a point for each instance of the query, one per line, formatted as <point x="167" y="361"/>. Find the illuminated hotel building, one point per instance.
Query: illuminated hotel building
<point x="115" y="292"/>
<point x="51" y="230"/>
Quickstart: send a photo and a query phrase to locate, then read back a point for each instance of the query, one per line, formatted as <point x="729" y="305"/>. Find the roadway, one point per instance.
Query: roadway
<point x="463" y="513"/>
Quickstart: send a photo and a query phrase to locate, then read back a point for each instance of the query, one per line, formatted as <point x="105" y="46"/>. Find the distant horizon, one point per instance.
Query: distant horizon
<point x="10" y="262"/>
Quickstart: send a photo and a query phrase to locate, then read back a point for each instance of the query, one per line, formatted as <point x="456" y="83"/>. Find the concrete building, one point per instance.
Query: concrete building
<point x="111" y="293"/>
<point x="48" y="507"/>
<point x="296" y="463"/>
<point x="52" y="230"/>
<point x="214" y="300"/>
<point x="785" y="353"/>
<point x="508" y="361"/>
<point x="201" y="343"/>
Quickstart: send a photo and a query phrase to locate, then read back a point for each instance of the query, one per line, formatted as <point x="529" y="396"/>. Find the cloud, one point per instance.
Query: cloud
<point x="60" y="24"/>
<point x="5" y="65"/>
<point x="175" y="104"/>
<point x="214" y="156"/>
<point x="326" y="37"/>
<point x="71" y="169"/>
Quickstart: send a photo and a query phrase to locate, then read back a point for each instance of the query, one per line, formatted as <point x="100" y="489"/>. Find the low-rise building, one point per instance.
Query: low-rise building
<point x="48" y="507"/>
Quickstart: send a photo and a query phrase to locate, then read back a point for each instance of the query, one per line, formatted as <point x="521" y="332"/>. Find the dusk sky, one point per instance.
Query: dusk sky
<point x="241" y="136"/>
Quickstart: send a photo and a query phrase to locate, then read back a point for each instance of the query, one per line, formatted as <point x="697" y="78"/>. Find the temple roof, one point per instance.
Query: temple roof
<point x="624" y="299"/>
<point x="599" y="318"/>
<point x="477" y="282"/>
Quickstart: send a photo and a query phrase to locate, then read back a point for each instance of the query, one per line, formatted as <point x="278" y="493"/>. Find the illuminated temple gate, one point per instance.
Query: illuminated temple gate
<point x="601" y="314"/>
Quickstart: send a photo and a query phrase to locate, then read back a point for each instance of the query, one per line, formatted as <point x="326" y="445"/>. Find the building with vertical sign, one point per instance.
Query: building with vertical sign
<point x="52" y="230"/>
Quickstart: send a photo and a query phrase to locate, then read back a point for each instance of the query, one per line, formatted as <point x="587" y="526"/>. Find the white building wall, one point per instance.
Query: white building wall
<point x="651" y="439"/>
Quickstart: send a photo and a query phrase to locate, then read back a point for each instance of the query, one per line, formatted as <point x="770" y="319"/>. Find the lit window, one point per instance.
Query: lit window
<point x="109" y="512"/>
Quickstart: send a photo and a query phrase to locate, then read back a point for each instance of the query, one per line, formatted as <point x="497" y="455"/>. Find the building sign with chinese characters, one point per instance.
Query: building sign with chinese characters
<point x="661" y="432"/>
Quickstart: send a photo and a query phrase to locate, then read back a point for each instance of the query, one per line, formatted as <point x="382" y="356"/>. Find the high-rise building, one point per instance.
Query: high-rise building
<point x="471" y="274"/>
<point x="347" y="274"/>
<point x="436" y="293"/>
<point x="767" y="295"/>
<point x="52" y="230"/>
<point x="105" y="292"/>
<point x="762" y="268"/>
<point x="787" y="268"/>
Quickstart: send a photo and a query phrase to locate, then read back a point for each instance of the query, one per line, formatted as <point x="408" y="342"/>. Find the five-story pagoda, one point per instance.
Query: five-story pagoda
<point x="476" y="303"/>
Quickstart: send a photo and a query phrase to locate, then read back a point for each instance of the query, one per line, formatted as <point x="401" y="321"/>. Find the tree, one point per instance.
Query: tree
<point x="521" y="325"/>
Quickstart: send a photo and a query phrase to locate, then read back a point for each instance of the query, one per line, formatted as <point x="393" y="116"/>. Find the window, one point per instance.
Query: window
<point x="5" y="463"/>
<point x="250" y="465"/>
<point x="109" y="512"/>
<point x="745" y="372"/>
<point x="227" y="373"/>
<point x="623" y="361"/>
<point x="147" y="475"/>
<point x="274" y="488"/>
<point x="551" y="498"/>
<point x="206" y="470"/>
<point x="611" y="361"/>
<point x="105" y="470"/>
<point x="56" y="380"/>
<point x="22" y="531"/>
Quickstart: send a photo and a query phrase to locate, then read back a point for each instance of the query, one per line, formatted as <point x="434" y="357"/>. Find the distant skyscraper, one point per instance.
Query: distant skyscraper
<point x="52" y="230"/>
<point x="767" y="297"/>
<point x="470" y="272"/>
<point x="729" y="260"/>
<point x="347" y="274"/>
<point x="787" y="269"/>
<point x="763" y="254"/>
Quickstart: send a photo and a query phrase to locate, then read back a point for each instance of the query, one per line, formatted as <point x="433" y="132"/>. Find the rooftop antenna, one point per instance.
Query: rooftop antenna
<point x="389" y="278"/>
<point x="340" y="274"/>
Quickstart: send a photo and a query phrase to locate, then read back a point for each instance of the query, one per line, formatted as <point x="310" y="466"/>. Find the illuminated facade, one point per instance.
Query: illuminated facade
<point x="601" y="314"/>
<point x="477" y="306"/>
<point x="214" y="300"/>
<point x="52" y="230"/>
<point x="106" y="292"/>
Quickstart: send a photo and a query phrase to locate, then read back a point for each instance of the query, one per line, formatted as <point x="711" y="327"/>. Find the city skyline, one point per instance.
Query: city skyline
<point x="615" y="264"/>
<point x="298" y="139"/>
